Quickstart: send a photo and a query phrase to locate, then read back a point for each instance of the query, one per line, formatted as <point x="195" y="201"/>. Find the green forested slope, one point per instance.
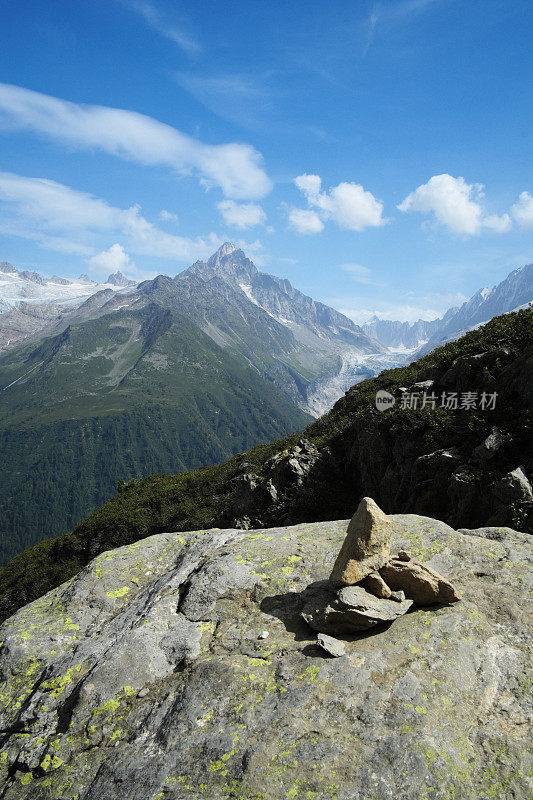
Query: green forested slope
<point x="398" y="457"/>
<point x="119" y="397"/>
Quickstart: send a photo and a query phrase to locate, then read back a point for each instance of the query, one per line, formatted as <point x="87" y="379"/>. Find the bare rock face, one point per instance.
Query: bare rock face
<point x="421" y="584"/>
<point x="366" y="547"/>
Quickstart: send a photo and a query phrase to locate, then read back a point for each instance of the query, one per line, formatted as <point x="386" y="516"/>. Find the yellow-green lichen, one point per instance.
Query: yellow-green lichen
<point x="118" y="592"/>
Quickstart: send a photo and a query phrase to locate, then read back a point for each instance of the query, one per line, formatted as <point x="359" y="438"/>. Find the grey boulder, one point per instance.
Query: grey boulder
<point x="144" y="676"/>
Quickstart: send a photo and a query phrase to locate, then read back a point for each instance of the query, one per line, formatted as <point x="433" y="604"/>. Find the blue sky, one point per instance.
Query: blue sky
<point x="378" y="154"/>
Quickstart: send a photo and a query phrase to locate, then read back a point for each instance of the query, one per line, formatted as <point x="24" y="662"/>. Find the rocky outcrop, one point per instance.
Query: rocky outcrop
<point x="256" y="496"/>
<point x="180" y="667"/>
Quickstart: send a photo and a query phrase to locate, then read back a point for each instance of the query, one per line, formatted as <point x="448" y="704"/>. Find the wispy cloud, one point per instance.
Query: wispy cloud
<point x="159" y="23"/>
<point x="238" y="98"/>
<point x="359" y="273"/>
<point x="392" y="14"/>
<point x="241" y="215"/>
<point x="522" y="210"/>
<point x="168" y="216"/>
<point x="236" y="168"/>
<point x="63" y="219"/>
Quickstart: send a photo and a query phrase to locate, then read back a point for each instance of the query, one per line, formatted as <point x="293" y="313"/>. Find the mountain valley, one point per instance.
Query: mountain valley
<point x="171" y="374"/>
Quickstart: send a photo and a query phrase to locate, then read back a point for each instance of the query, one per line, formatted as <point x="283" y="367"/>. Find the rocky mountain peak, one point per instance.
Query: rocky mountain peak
<point x="118" y="279"/>
<point x="231" y="262"/>
<point x="228" y="262"/>
<point x="25" y="274"/>
<point x="30" y="275"/>
<point x="226" y="249"/>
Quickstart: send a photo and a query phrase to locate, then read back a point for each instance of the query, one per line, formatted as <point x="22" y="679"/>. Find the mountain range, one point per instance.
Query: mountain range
<point x="422" y="336"/>
<point x="115" y="381"/>
<point x="172" y="374"/>
<point x="29" y="302"/>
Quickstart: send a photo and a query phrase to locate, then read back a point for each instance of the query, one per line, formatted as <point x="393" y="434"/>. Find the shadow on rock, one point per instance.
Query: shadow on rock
<point x="291" y="609"/>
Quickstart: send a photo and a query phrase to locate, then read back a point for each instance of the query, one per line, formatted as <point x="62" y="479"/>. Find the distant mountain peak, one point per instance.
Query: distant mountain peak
<point x="229" y="263"/>
<point x="60" y="280"/>
<point x="228" y="256"/>
<point x="25" y="274"/>
<point x="85" y="279"/>
<point x="225" y="249"/>
<point x="28" y="275"/>
<point x="118" y="279"/>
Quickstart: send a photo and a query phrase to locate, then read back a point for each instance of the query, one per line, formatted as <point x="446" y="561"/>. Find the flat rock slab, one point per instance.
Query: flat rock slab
<point x="349" y="610"/>
<point x="358" y="599"/>
<point x="144" y="677"/>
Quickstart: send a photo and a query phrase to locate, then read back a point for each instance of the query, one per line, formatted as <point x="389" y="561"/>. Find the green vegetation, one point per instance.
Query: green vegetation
<point x="119" y="398"/>
<point x="204" y="498"/>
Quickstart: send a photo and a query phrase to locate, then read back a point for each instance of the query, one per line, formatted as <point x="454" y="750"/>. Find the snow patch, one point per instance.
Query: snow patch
<point x="15" y="290"/>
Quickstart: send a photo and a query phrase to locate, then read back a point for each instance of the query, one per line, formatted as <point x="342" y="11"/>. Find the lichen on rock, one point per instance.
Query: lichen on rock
<point x="172" y="690"/>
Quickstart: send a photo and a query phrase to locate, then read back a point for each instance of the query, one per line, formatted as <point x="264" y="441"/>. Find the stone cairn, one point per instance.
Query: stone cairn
<point x="367" y="586"/>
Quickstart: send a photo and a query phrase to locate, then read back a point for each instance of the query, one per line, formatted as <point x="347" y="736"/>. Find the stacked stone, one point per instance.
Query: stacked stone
<point x="367" y="586"/>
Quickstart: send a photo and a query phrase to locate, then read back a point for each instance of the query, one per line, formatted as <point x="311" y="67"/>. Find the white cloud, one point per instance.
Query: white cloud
<point x="522" y="210"/>
<point x="111" y="260"/>
<point x="453" y="202"/>
<point x="304" y="221"/>
<point x="348" y="204"/>
<point x="168" y="216"/>
<point x="61" y="218"/>
<point x="499" y="224"/>
<point x="155" y="20"/>
<point x="236" y="168"/>
<point x="309" y="184"/>
<point x="241" y="215"/>
<point x="358" y="273"/>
